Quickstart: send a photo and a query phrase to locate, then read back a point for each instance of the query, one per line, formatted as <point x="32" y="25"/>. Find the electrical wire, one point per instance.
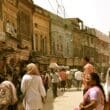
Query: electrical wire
<point x="51" y="6"/>
<point x="65" y="13"/>
<point x="61" y="9"/>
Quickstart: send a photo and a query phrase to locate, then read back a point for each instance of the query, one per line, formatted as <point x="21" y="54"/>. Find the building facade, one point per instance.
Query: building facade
<point x="77" y="45"/>
<point x="41" y="36"/>
<point x="89" y="43"/>
<point x="25" y="27"/>
<point x="61" y="40"/>
<point x="16" y="28"/>
<point x="29" y="30"/>
<point x="8" y="27"/>
<point x="102" y="45"/>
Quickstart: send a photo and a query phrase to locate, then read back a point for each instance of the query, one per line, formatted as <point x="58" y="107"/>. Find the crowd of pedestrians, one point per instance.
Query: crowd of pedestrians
<point x="32" y="84"/>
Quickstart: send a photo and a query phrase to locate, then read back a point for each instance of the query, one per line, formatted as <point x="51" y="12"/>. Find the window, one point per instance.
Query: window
<point x="44" y="45"/>
<point x="24" y="24"/>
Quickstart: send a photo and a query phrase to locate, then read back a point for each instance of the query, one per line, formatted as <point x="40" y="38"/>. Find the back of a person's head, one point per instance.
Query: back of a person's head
<point x="32" y="69"/>
<point x="62" y="69"/>
<point x="12" y="88"/>
<point x="96" y="78"/>
<point x="86" y="59"/>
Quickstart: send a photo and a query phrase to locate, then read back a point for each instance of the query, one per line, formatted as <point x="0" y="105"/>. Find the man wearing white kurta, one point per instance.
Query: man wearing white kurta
<point x="33" y="89"/>
<point x="78" y="77"/>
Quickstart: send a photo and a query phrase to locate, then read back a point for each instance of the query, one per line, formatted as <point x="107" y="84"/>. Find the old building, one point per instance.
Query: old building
<point x="92" y="43"/>
<point x="57" y="33"/>
<point x="25" y="27"/>
<point x="102" y="46"/>
<point x="84" y="42"/>
<point x="76" y="36"/>
<point x="89" y="43"/>
<point x="29" y="30"/>
<point x="41" y="36"/>
<point x="9" y="26"/>
<point x="68" y="42"/>
<point x="16" y="28"/>
<point x="61" y="40"/>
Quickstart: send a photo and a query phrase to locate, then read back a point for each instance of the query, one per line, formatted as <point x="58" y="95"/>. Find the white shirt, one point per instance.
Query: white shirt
<point x="33" y="87"/>
<point x="78" y="75"/>
<point x="55" y="77"/>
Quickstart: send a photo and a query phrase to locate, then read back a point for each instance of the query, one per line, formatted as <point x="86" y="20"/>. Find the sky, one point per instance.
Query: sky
<point x="94" y="13"/>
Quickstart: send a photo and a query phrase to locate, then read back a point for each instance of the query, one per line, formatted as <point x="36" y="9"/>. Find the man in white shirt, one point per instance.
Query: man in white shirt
<point x="78" y="77"/>
<point x="55" y="81"/>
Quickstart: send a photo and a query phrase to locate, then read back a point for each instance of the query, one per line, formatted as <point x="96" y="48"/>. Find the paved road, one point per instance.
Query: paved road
<point x="65" y="101"/>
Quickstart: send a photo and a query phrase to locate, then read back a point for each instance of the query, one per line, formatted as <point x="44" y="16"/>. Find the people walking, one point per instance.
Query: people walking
<point x="32" y="88"/>
<point x="107" y="89"/>
<point x="69" y="79"/>
<point x="46" y="80"/>
<point x="63" y="78"/>
<point x="94" y="98"/>
<point x="55" y="81"/>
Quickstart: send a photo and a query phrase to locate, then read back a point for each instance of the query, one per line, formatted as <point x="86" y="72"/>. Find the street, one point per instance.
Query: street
<point x="65" y="101"/>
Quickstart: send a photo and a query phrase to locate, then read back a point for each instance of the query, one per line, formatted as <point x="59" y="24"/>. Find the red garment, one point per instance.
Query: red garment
<point x="63" y="75"/>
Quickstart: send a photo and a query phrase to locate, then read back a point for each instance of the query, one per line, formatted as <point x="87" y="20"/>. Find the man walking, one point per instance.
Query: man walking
<point x="78" y="77"/>
<point x="87" y="69"/>
<point x="55" y="81"/>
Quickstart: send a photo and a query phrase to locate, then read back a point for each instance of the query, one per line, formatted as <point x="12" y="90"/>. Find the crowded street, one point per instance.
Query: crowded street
<point x="53" y="55"/>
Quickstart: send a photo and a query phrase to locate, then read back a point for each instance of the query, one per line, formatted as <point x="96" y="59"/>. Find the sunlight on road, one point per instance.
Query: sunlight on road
<point x="65" y="101"/>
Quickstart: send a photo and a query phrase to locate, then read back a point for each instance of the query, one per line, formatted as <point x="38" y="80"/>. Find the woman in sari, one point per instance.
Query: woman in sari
<point x="94" y="98"/>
